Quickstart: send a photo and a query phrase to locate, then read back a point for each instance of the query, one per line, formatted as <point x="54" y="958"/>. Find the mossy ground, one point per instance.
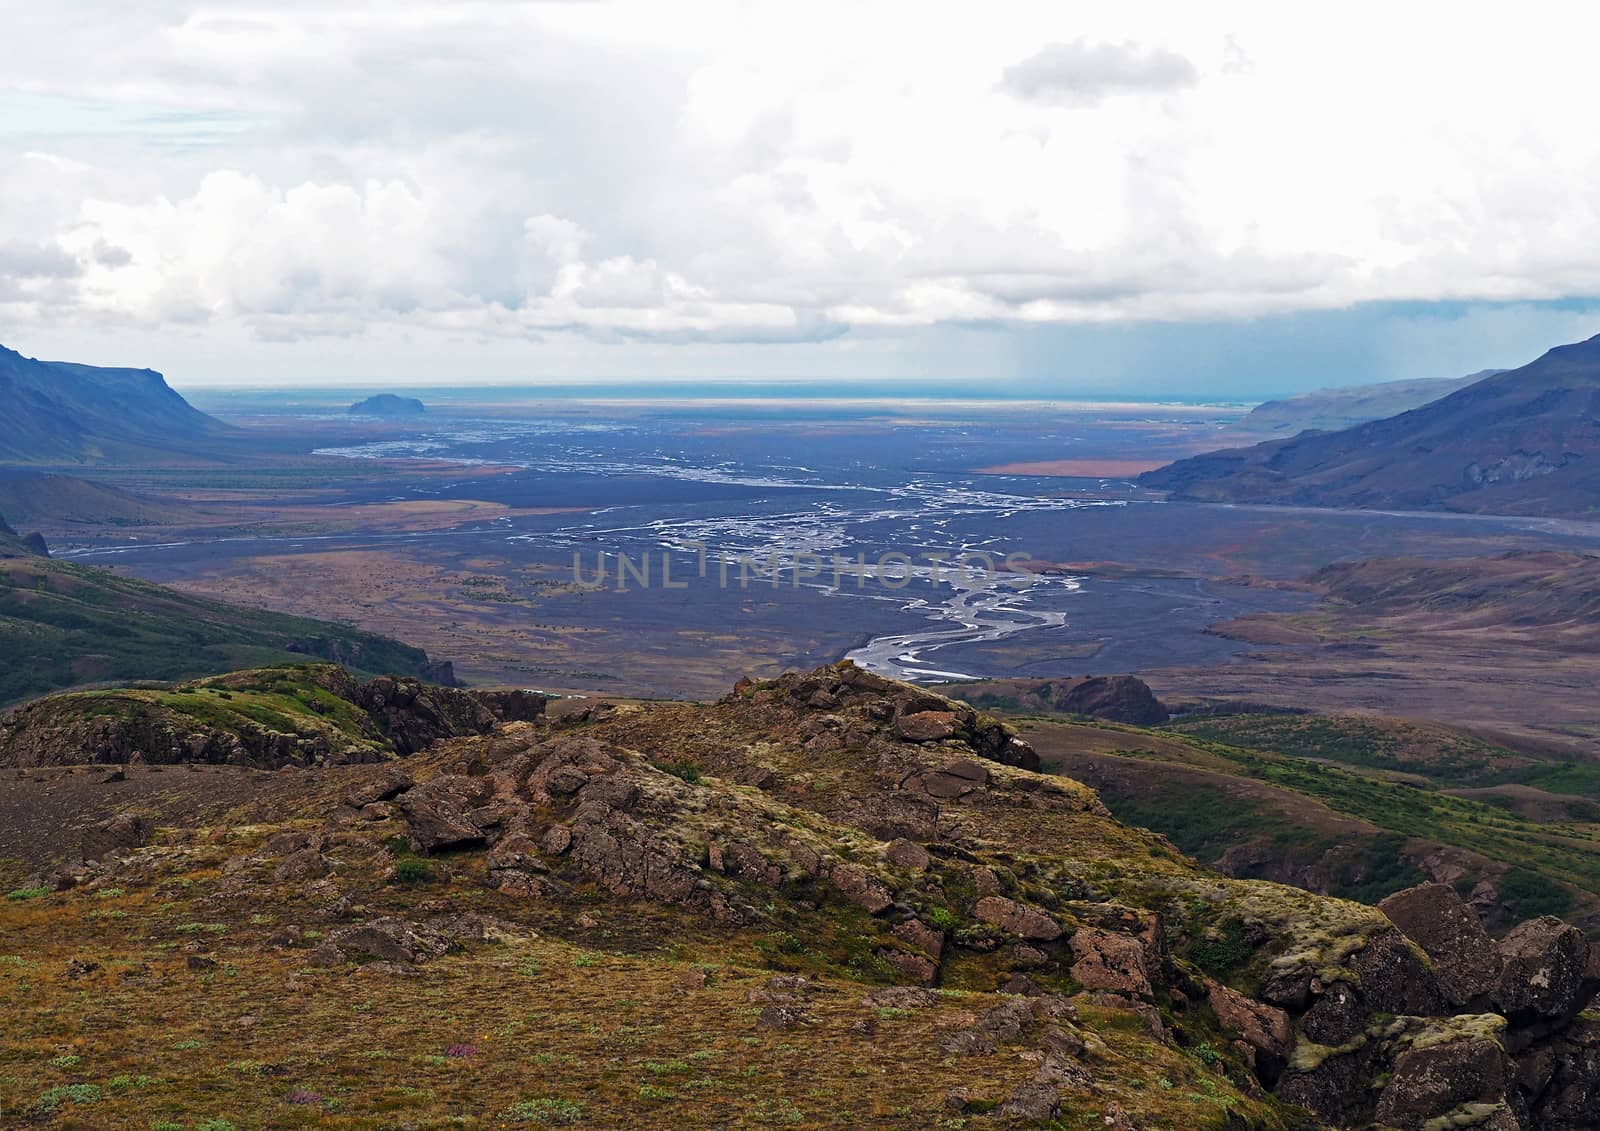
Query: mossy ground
<point x="589" y="1010"/>
<point x="561" y="1023"/>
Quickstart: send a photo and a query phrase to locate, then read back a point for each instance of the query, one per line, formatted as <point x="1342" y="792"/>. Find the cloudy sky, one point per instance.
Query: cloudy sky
<point x="1218" y="199"/>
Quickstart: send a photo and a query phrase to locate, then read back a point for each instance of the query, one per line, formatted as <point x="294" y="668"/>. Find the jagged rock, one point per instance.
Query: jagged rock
<point x="920" y="935"/>
<point x="950" y="781"/>
<point x="1020" y="985"/>
<point x="565" y="780"/>
<point x="1007" y="1021"/>
<point x="1115" y="963"/>
<point x="512" y="706"/>
<point x="114" y="837"/>
<point x="1032" y="1103"/>
<point x="556" y="840"/>
<point x="388" y="940"/>
<point x="746" y="862"/>
<point x="915" y="967"/>
<point x="306" y="864"/>
<point x="1017" y="918"/>
<point x="967" y="1042"/>
<point x="441" y="812"/>
<point x="1265" y="1029"/>
<point x="985" y="882"/>
<point x="1394" y="978"/>
<point x="900" y="997"/>
<point x="1336" y="1016"/>
<point x="926" y="726"/>
<point x="1543" y="963"/>
<point x="1561" y="1078"/>
<point x="626" y="859"/>
<point x="1435" y="918"/>
<point x="389" y="782"/>
<point x="861" y="888"/>
<point x="780" y="1016"/>
<point x="907" y="855"/>
<point x="1431" y="1083"/>
<point x="1386" y="976"/>
<point x="288" y="842"/>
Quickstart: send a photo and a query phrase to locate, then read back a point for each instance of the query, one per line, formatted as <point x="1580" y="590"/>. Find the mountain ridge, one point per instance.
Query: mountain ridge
<point x="1345" y="406"/>
<point x="66" y="413"/>
<point x="1526" y="441"/>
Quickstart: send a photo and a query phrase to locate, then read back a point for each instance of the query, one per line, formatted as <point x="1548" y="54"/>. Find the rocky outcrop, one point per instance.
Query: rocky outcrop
<point x="724" y="824"/>
<point x="1113" y="963"/>
<point x="393" y="716"/>
<point x="1115" y="698"/>
<point x="119" y="834"/>
<point x="1543" y="964"/>
<point x="1467" y="1083"/>
<point x="1478" y="1035"/>
<point x="1018" y="919"/>
<point x="1265" y="1030"/>
<point x="1435" y="918"/>
<point x="910" y="714"/>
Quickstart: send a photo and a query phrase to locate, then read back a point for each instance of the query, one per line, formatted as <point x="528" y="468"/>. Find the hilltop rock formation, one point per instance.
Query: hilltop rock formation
<point x="1409" y="1017"/>
<point x="822" y="825"/>
<point x="365" y="722"/>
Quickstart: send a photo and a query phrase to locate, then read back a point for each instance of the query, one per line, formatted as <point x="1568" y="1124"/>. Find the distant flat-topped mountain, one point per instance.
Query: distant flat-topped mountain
<point x="387" y="404"/>
<point x="56" y="412"/>
<point x="1330" y="409"/>
<point x="1526" y="441"/>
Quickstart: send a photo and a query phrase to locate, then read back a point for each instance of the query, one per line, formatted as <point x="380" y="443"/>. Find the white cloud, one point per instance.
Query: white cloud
<point x="1082" y="73"/>
<point x="563" y="173"/>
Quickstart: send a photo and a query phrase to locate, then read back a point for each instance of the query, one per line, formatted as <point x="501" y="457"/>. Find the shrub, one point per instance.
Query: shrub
<point x="80" y="1094"/>
<point x="413" y="871"/>
<point x="547" y="1112"/>
<point x="1531" y="895"/>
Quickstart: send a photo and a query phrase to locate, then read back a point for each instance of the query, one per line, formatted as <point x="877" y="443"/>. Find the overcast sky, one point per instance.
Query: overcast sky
<point x="1215" y="199"/>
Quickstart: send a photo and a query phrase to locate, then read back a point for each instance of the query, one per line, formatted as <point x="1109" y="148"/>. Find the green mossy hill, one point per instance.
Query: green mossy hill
<point x="301" y="714"/>
<point x="1340" y="805"/>
<point x="64" y="625"/>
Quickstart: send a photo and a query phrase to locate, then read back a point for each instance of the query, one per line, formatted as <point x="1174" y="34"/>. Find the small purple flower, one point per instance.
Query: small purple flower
<point x="302" y="1096"/>
<point x="461" y="1050"/>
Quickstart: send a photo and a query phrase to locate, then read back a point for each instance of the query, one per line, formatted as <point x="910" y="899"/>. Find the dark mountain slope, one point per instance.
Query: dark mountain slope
<point x="62" y="413"/>
<point x="1523" y="442"/>
<point x="29" y="498"/>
